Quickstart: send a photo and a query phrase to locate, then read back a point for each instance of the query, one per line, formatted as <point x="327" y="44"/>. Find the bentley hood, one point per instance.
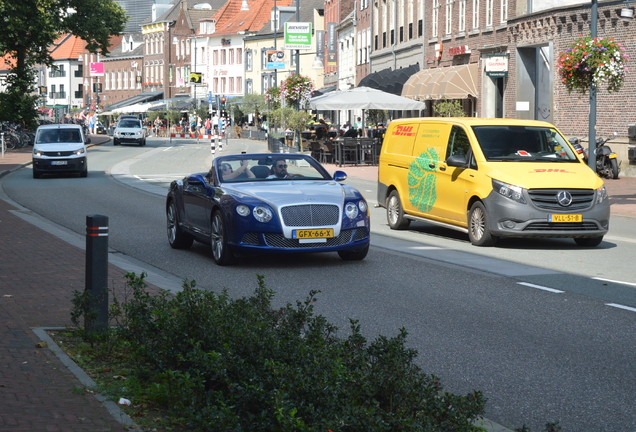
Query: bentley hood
<point x="280" y="193"/>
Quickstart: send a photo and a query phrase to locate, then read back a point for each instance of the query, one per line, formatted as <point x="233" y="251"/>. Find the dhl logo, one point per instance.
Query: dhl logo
<point x="403" y="131"/>
<point x="553" y="170"/>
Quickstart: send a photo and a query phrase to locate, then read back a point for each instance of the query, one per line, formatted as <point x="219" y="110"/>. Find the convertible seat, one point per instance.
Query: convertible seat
<point x="260" y="171"/>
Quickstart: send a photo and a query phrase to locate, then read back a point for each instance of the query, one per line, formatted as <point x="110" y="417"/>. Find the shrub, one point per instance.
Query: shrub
<point x="240" y="365"/>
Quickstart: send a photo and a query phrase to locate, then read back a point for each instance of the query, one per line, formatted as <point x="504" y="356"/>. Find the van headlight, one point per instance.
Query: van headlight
<point x="601" y="194"/>
<point x="512" y="192"/>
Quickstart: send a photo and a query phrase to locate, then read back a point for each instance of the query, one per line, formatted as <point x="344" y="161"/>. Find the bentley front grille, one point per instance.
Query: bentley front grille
<point x="310" y="215"/>
<point x="277" y="240"/>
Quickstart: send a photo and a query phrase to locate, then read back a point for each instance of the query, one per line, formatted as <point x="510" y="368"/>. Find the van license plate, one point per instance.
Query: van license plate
<point x="313" y="233"/>
<point x="565" y="218"/>
<point x="59" y="162"/>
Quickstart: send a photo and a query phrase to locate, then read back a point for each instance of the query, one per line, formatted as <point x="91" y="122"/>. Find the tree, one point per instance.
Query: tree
<point x="253" y="104"/>
<point x="449" y="108"/>
<point x="29" y="29"/>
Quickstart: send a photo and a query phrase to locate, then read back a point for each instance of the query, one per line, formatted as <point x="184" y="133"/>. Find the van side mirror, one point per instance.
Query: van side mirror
<point x="458" y="161"/>
<point x="87" y="140"/>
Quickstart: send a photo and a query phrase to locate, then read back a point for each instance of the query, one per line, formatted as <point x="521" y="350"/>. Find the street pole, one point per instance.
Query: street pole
<point x="591" y="159"/>
<point x="298" y="147"/>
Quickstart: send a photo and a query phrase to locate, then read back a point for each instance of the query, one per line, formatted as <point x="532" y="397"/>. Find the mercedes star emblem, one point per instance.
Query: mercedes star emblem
<point x="564" y="198"/>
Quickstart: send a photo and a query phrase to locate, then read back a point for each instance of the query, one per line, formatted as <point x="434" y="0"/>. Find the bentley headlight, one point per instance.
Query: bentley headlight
<point x="601" y="194"/>
<point x="243" y="210"/>
<point x="262" y="213"/>
<point x="362" y="205"/>
<point x="351" y="210"/>
<point x="512" y="192"/>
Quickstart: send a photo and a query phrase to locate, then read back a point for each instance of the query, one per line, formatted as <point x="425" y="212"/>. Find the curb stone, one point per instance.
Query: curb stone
<point x="114" y="410"/>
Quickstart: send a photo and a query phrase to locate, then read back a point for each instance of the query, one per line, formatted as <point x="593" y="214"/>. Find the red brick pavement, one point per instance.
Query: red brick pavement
<point x="38" y="273"/>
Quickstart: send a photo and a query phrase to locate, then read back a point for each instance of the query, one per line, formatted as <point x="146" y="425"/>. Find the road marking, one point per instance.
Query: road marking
<point x="621" y="306"/>
<point x="623" y="239"/>
<point x="615" y="281"/>
<point x="425" y="247"/>
<point x="552" y="290"/>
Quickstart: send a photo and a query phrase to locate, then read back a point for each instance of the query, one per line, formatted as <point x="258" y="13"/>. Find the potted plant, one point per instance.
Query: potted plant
<point x="593" y="60"/>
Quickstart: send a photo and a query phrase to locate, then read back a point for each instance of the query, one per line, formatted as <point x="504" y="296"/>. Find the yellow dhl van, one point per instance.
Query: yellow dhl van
<point x="490" y="178"/>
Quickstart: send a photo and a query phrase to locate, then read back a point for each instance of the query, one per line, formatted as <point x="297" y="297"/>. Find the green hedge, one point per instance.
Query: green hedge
<point x="228" y="364"/>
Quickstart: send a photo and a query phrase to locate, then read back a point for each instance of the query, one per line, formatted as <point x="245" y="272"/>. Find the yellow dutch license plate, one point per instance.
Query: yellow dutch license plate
<point x="313" y="233"/>
<point x="565" y="218"/>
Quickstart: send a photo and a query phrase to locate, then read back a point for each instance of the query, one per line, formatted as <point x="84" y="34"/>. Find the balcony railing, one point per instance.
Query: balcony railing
<point x="58" y="95"/>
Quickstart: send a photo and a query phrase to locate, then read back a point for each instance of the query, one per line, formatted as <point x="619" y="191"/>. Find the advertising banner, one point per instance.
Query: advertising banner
<point x="496" y="65"/>
<point x="320" y="44"/>
<point x="298" y="36"/>
<point x="332" y="45"/>
<point x="97" y="69"/>
<point x="275" y="59"/>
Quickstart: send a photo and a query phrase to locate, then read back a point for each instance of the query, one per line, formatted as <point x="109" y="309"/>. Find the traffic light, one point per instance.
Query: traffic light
<point x="223" y="100"/>
<point x="97" y="87"/>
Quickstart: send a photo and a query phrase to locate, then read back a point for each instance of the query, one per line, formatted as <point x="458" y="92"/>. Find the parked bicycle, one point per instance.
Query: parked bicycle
<point x="15" y="136"/>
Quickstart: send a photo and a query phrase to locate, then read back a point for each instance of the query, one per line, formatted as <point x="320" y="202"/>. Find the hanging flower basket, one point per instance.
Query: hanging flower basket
<point x="601" y="61"/>
<point x="296" y="89"/>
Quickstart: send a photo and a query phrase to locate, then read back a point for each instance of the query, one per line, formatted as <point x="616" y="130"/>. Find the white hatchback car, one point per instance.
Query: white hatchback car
<point x="129" y="130"/>
<point x="59" y="148"/>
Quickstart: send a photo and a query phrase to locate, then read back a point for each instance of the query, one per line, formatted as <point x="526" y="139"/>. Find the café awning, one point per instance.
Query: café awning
<point x="388" y="80"/>
<point x="454" y="82"/>
<point x="140" y="98"/>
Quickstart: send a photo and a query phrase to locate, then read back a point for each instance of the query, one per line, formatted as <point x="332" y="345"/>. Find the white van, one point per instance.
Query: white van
<point x="60" y="148"/>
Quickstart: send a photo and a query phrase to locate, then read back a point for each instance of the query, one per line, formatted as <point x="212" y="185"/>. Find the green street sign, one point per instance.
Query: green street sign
<point x="298" y="36"/>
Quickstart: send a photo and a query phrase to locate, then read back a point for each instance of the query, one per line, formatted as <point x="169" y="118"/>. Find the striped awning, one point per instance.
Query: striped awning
<point x="454" y="82"/>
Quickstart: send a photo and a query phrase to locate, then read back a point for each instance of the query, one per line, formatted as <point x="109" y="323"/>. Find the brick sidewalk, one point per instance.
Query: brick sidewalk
<point x="38" y="273"/>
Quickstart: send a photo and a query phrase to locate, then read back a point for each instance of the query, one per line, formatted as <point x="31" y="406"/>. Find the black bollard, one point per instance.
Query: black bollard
<point x="96" y="317"/>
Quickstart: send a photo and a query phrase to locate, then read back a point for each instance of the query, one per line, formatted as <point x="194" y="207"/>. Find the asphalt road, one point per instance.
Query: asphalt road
<point x="525" y="323"/>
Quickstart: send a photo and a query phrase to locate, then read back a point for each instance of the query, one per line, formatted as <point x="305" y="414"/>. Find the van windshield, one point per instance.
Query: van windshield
<point x="54" y="136"/>
<point x="523" y="144"/>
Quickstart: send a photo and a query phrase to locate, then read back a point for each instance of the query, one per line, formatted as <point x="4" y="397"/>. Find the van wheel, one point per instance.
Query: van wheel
<point x="588" y="241"/>
<point x="479" y="226"/>
<point x="395" y="212"/>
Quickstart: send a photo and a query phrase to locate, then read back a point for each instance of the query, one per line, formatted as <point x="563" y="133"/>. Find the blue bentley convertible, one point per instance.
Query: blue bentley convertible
<point x="259" y="203"/>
